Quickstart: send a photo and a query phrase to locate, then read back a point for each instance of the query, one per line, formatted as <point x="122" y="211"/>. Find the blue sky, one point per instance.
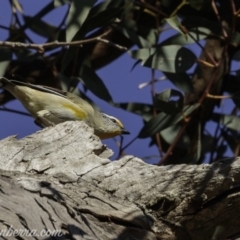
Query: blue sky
<point x="122" y="83"/>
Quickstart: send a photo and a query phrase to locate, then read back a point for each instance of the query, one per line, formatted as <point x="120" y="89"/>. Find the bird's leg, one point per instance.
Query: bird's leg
<point x="43" y="118"/>
<point x="38" y="123"/>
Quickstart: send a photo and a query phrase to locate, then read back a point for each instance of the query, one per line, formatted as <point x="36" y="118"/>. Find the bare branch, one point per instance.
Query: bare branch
<point x="41" y="47"/>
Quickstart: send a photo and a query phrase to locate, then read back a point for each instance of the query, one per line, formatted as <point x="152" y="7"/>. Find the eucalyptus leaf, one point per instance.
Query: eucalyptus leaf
<point x="71" y="85"/>
<point x="58" y="3"/>
<point x="170" y="134"/>
<point x="235" y="39"/>
<point x="135" y="64"/>
<point x="150" y="34"/>
<point x="143" y="109"/>
<point x="77" y="15"/>
<point x="162" y="101"/>
<point x="94" y="83"/>
<point x="68" y="56"/>
<point x="195" y="22"/>
<point x="197" y="4"/>
<point x="208" y="143"/>
<point x="5" y="58"/>
<point x="174" y="23"/>
<point x="142" y="54"/>
<point x="173" y="58"/>
<point x="236" y="55"/>
<point x="229" y="121"/>
<point x="230" y="139"/>
<point x="103" y="18"/>
<point x="136" y="38"/>
<point x="104" y="5"/>
<point x="3" y="67"/>
<point x="156" y="124"/>
<point x="41" y="28"/>
<point x="163" y="121"/>
<point x="180" y="80"/>
<point x="5" y="54"/>
<point x="194" y="35"/>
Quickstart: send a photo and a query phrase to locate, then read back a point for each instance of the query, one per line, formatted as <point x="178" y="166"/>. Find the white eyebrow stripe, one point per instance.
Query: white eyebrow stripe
<point x="109" y="116"/>
<point x="117" y="120"/>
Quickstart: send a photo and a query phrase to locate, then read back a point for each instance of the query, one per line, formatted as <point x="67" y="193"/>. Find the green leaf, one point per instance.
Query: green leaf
<point x="156" y="124"/>
<point x="142" y="54"/>
<point x="136" y="38"/>
<point x="78" y="13"/>
<point x="103" y="18"/>
<point x="232" y="86"/>
<point x="235" y="41"/>
<point x="59" y="3"/>
<point x="197" y="4"/>
<point x="135" y="64"/>
<point x="49" y="7"/>
<point x="5" y="58"/>
<point x="163" y="121"/>
<point x="195" y="34"/>
<point x="142" y="109"/>
<point x="107" y="4"/>
<point x="170" y="134"/>
<point x="150" y="34"/>
<point x="208" y="143"/>
<point x="189" y="109"/>
<point x="236" y="56"/>
<point x="230" y="139"/>
<point x="41" y="28"/>
<point x="180" y="80"/>
<point x="71" y="85"/>
<point x="68" y="56"/>
<point x="5" y="54"/>
<point x="174" y="23"/>
<point x="162" y="101"/>
<point x="94" y="83"/>
<point x="172" y="58"/>
<point x="192" y="22"/>
<point x="229" y="121"/>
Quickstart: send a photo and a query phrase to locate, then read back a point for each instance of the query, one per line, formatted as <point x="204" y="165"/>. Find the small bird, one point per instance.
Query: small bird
<point x="50" y="106"/>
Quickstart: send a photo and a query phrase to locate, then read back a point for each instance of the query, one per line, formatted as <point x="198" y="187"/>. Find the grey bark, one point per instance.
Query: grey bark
<point x="61" y="178"/>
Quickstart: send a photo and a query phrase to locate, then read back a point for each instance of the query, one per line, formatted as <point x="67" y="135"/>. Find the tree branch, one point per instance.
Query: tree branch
<point x="64" y="175"/>
<point x="41" y="47"/>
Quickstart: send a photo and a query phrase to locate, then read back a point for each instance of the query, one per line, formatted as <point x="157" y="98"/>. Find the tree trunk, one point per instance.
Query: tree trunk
<point x="61" y="179"/>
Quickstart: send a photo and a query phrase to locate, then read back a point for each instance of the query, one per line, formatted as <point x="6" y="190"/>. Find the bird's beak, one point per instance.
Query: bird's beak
<point x="124" y="131"/>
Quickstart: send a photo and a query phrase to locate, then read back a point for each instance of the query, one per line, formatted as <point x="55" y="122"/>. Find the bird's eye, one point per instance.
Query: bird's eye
<point x="113" y="120"/>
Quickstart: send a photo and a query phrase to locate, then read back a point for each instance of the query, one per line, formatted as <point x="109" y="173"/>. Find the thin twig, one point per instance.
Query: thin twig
<point x="204" y="95"/>
<point x="217" y="96"/>
<point x="127" y="145"/>
<point x="172" y="146"/>
<point x="203" y="49"/>
<point x="214" y="7"/>
<point x="120" y="145"/>
<point x="233" y="7"/>
<point x="184" y="2"/>
<point x="151" y="8"/>
<point x="14" y="111"/>
<point x="157" y="135"/>
<point x="41" y="47"/>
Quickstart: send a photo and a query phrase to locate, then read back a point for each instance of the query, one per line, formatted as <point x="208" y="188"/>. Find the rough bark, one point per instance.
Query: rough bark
<point x="61" y="178"/>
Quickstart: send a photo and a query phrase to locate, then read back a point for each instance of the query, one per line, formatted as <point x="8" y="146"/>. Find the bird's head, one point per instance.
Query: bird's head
<point x="110" y="127"/>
